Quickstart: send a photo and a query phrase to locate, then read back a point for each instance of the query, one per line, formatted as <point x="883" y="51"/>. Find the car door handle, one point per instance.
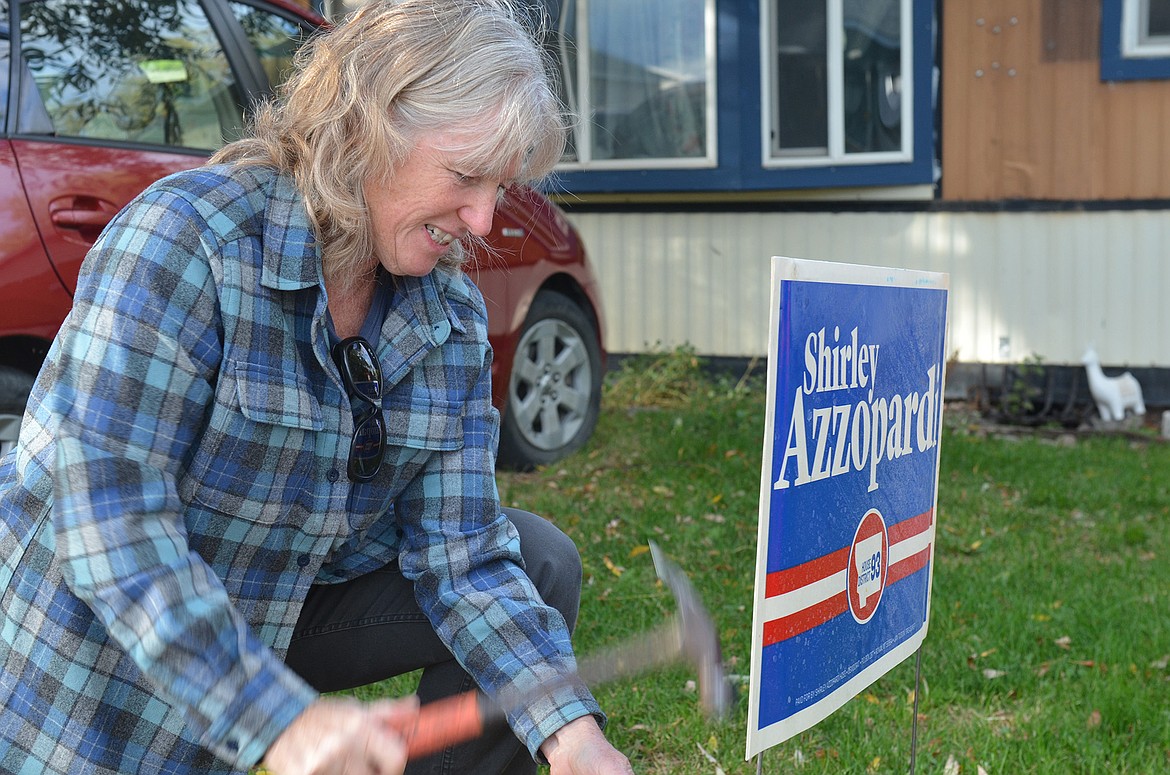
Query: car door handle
<point x="82" y="213"/>
<point x="80" y="219"/>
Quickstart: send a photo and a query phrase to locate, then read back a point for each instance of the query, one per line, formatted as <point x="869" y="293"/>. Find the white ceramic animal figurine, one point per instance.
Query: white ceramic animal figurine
<point x="1113" y="395"/>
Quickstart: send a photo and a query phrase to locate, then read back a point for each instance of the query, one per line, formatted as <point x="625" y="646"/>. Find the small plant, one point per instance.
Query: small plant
<point x="659" y="379"/>
<point x="1023" y="388"/>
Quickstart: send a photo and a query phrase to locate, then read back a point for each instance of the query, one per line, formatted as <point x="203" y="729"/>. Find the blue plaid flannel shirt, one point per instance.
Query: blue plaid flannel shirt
<point x="180" y="482"/>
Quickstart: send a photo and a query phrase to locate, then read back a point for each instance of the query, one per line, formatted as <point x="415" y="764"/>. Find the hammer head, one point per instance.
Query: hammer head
<point x="698" y="639"/>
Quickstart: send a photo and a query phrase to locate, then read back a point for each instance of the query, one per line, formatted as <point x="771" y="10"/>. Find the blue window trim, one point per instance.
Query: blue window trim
<point x="740" y="166"/>
<point x="1115" y="66"/>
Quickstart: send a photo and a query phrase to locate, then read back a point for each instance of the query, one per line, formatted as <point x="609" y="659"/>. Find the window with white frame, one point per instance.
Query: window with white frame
<point x="1145" y="28"/>
<point x="1135" y="40"/>
<point x="640" y="78"/>
<point x="832" y="81"/>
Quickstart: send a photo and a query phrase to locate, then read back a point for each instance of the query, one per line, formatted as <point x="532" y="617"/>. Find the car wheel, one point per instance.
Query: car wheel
<point x="554" y="393"/>
<point x="15" y="385"/>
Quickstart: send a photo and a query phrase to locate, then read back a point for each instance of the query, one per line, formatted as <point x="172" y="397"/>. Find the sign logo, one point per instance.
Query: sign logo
<point x="868" y="566"/>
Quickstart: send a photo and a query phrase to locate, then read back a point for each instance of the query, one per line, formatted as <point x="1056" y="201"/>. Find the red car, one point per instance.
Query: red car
<point x="107" y="96"/>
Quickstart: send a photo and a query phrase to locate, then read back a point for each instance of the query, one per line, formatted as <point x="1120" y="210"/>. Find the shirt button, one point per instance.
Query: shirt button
<point x="304" y="560"/>
<point x="333" y="475"/>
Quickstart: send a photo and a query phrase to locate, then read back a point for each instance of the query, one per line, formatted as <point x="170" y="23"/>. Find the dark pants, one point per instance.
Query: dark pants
<point x="371" y="628"/>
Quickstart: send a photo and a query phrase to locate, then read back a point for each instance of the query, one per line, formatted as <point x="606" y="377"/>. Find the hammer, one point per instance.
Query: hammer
<point x="688" y="635"/>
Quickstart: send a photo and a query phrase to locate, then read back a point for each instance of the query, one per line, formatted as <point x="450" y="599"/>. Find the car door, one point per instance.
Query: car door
<point x="128" y="93"/>
<point x="30" y="292"/>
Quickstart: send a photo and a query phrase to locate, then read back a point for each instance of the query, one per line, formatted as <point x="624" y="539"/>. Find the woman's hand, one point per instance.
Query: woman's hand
<point x="344" y="737"/>
<point x="579" y="748"/>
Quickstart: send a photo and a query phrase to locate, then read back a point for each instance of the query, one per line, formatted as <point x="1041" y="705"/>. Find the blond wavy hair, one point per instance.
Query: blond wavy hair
<point x="394" y="72"/>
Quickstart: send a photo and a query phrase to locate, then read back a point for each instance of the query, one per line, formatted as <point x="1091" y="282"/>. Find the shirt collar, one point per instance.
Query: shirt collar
<point x="426" y="306"/>
<point x="292" y="258"/>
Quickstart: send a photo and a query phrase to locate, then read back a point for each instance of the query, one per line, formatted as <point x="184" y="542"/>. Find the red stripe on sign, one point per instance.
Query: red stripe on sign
<point x="908" y="528"/>
<point x="802" y="621"/>
<point x="908" y="565"/>
<point x="784" y="581"/>
<point x="792" y="579"/>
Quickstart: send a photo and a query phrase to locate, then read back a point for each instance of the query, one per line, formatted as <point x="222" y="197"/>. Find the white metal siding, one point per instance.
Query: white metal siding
<point x="1043" y="284"/>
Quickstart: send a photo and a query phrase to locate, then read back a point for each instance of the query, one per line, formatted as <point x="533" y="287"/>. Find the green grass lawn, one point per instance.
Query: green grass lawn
<point x="1049" y="635"/>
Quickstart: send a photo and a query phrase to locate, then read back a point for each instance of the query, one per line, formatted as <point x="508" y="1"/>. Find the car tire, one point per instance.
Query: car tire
<point x="554" y="393"/>
<point x="15" y="386"/>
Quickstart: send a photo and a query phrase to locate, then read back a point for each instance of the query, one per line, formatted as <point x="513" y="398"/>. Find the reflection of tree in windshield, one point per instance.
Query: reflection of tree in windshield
<point x="119" y="70"/>
<point x="274" y="38"/>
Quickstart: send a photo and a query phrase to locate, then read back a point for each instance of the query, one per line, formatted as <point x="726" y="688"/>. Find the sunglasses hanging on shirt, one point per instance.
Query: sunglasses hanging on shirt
<point x="363" y="380"/>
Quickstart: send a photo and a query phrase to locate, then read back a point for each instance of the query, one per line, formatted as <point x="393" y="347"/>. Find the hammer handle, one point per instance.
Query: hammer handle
<point x="445" y="722"/>
<point x="458" y="719"/>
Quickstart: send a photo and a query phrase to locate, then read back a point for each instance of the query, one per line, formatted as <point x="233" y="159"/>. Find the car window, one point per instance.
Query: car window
<point x="32" y="115"/>
<point x="275" y="38"/>
<point x="146" y="71"/>
<point x="3" y="80"/>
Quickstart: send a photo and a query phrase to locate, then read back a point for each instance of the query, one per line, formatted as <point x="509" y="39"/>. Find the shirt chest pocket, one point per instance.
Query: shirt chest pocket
<point x="257" y="457"/>
<point x="424" y="423"/>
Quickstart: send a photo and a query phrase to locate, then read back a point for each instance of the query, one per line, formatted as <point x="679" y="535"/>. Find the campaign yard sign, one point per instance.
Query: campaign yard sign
<point x="848" y="487"/>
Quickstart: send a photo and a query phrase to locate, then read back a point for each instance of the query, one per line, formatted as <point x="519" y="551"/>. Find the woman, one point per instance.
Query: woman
<point x="259" y="461"/>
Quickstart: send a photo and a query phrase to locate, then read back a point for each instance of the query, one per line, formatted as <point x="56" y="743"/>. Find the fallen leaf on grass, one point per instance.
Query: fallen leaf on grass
<point x="1160" y="664"/>
<point x="1094" y="720"/>
<point x="639" y="550"/>
<point x="973" y="658"/>
<point x="1043" y="669"/>
<point x="990" y="674"/>
<point x="875" y="765"/>
<point x="951" y="767"/>
<point x="616" y="570"/>
<point x="710" y="758"/>
<point x="1064" y="641"/>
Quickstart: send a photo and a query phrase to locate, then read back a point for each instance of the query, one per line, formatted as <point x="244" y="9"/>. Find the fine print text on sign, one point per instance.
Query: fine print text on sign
<point x="848" y="487"/>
